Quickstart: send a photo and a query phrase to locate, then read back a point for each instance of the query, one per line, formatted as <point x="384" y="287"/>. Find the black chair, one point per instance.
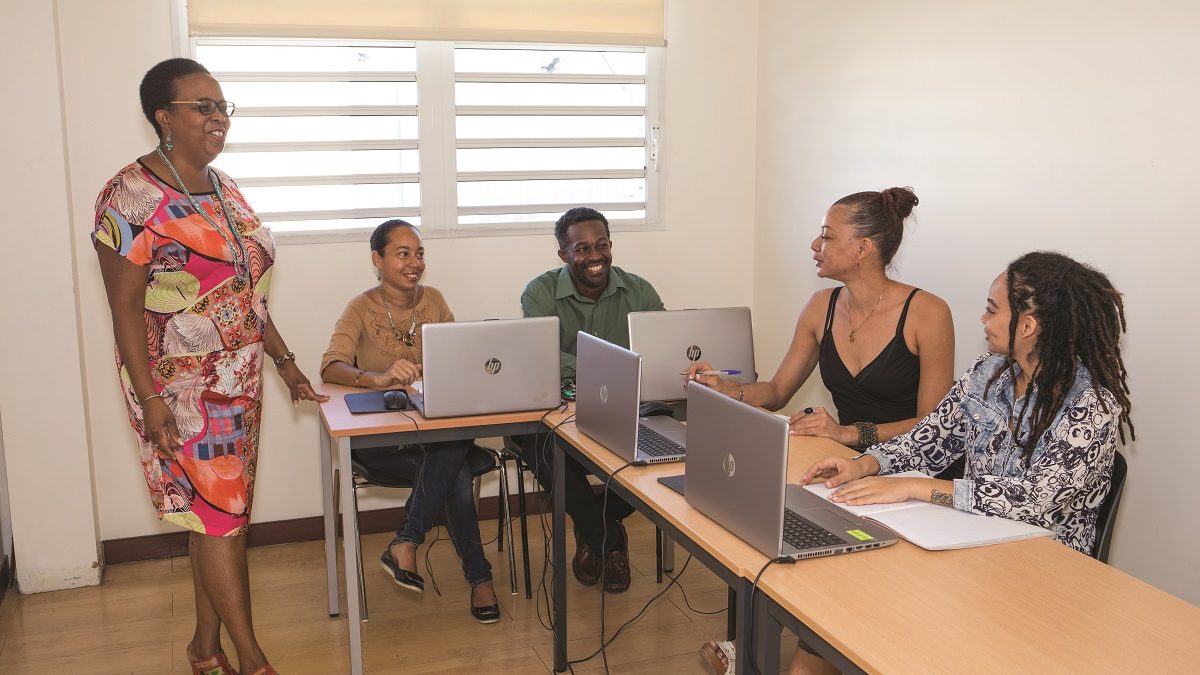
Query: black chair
<point x="374" y="469"/>
<point x="513" y="451"/>
<point x="1106" y="519"/>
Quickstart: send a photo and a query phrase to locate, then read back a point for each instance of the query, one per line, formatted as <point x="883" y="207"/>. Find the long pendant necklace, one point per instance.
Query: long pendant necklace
<point x="864" y="321"/>
<point x="409" y="338"/>
<point x="236" y="248"/>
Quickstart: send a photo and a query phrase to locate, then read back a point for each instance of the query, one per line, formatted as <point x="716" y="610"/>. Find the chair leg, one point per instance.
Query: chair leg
<point x="658" y="555"/>
<point x="503" y="507"/>
<point x="362" y="582"/>
<point x="524" y="528"/>
<point x="505" y="527"/>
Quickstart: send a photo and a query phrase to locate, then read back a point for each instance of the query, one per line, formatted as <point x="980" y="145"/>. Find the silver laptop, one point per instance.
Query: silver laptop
<point x="482" y="367"/>
<point x="737" y="475"/>
<point x="607" y="379"/>
<point x="671" y="341"/>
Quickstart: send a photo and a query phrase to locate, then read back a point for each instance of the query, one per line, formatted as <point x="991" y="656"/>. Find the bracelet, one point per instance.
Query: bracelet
<point x="741" y="393"/>
<point x="280" y="360"/>
<point x="143" y="401"/>
<point x="360" y="374"/>
<point x="868" y="434"/>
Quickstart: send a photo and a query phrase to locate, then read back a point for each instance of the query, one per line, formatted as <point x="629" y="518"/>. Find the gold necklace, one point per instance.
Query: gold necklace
<point x="409" y="338"/>
<point x="864" y="321"/>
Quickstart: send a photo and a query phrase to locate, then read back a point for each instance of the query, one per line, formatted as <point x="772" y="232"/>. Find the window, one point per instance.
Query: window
<point x="334" y="136"/>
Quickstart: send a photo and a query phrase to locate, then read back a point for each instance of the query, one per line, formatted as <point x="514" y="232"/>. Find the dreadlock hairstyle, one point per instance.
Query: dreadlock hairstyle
<point x="1080" y="316"/>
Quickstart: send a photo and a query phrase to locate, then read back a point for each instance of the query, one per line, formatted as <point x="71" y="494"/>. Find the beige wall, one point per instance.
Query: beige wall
<point x="1022" y="125"/>
<point x="49" y="478"/>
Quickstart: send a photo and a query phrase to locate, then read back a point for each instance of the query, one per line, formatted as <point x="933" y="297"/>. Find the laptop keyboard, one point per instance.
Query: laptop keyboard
<point x="803" y="534"/>
<point x="654" y="444"/>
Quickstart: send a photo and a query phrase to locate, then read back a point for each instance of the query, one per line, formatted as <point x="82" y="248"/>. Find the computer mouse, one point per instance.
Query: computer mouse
<point x="395" y="399"/>
<point x="652" y="408"/>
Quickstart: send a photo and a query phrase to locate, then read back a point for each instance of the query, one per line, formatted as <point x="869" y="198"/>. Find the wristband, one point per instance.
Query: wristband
<point x="143" y="401"/>
<point x="280" y="360"/>
<point x="741" y="393"/>
<point x="868" y="434"/>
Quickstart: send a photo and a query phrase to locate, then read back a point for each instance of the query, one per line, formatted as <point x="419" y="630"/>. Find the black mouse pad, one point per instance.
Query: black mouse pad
<point x="368" y="402"/>
<point x="674" y="482"/>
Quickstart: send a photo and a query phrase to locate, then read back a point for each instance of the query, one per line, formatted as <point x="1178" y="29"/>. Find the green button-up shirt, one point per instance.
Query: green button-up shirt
<point x="554" y="294"/>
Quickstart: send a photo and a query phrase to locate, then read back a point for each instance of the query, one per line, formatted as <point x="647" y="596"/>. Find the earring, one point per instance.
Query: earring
<point x="167" y="144"/>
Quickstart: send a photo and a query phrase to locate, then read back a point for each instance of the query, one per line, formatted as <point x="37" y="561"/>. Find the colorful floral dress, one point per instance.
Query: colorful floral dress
<point x="205" y="327"/>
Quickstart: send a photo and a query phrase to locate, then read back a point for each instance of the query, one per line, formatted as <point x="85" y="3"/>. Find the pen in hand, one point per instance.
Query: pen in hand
<point x="715" y="372"/>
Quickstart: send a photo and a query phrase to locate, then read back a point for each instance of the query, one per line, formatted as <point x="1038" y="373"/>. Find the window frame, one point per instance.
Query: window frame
<point x="437" y="143"/>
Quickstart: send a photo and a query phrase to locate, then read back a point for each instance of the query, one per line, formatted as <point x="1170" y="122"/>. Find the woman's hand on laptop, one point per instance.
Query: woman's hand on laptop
<point x="402" y="373"/>
<point x="818" y="422"/>
<point x="835" y="471"/>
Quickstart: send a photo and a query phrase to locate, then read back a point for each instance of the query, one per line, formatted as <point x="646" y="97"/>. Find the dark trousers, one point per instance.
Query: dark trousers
<point x="587" y="509"/>
<point x="441" y="481"/>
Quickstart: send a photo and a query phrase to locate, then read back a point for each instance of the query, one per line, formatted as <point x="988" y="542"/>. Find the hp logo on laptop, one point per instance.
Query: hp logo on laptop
<point x="729" y="465"/>
<point x="491" y="366"/>
<point x="693" y="353"/>
<point x="604" y="393"/>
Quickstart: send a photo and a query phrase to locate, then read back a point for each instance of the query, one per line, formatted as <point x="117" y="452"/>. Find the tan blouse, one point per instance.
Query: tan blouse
<point x="363" y="336"/>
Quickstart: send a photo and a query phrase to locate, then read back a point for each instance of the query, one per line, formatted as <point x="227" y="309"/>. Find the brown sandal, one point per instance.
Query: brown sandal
<point x="217" y="664"/>
<point x="719" y="656"/>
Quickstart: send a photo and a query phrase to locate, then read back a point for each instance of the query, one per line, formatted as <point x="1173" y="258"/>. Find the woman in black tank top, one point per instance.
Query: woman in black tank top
<point x="885" y="348"/>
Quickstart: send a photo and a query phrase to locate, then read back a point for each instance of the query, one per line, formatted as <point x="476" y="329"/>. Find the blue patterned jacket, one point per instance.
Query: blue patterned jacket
<point x="1059" y="488"/>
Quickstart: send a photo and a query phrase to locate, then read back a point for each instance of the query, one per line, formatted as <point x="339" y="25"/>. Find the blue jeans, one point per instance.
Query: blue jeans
<point x="442" y="480"/>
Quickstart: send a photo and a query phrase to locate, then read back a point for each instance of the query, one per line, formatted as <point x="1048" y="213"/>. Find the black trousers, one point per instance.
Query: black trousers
<point x="585" y="507"/>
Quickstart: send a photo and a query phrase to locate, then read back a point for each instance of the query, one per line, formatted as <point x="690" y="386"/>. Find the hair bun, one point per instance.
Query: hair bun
<point x="899" y="200"/>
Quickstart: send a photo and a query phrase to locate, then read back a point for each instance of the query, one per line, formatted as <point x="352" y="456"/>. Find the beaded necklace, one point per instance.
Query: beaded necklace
<point x="409" y="338"/>
<point x="236" y="247"/>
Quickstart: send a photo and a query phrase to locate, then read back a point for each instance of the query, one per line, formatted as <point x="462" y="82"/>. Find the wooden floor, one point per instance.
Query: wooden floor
<point x="140" y="619"/>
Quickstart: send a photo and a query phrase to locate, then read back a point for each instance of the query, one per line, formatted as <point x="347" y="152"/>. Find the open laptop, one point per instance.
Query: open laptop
<point x="482" y="367"/>
<point x="737" y="475"/>
<point x="607" y="379"/>
<point x="670" y="341"/>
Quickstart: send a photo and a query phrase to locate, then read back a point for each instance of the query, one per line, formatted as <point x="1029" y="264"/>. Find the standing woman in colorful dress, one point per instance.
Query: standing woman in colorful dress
<point x="187" y="266"/>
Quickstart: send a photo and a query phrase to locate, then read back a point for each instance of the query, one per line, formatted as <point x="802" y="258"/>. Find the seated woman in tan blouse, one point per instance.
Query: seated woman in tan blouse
<point x="377" y="344"/>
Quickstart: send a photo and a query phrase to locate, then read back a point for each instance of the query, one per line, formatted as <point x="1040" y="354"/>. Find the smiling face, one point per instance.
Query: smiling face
<point x="838" y="249"/>
<point x="195" y="135"/>
<point x="588" y="255"/>
<point x="402" y="262"/>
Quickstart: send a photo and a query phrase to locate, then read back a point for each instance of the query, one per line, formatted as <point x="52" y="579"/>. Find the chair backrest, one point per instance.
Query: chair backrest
<point x="1107" y="517"/>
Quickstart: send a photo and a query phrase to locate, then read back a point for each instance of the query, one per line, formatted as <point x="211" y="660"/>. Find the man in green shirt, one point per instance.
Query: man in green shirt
<point x="587" y="293"/>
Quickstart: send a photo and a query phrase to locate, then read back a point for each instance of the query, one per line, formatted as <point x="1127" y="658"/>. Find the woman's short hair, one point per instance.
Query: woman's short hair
<point x="158" y="86"/>
<point x="383" y="232"/>
<point x="879" y="216"/>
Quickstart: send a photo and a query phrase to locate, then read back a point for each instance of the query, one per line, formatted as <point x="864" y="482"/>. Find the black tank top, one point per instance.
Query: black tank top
<point x="885" y="390"/>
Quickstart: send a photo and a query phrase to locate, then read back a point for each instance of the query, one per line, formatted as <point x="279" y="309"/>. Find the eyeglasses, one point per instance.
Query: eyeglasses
<point x="207" y="106"/>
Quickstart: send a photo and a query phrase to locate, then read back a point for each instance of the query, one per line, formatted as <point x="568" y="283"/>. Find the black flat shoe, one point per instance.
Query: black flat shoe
<point x="403" y="578"/>
<point x="487" y="613"/>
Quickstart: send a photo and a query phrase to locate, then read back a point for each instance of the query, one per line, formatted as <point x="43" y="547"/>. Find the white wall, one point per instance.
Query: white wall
<point x="49" y="478"/>
<point x="1021" y="125"/>
<point x="709" y="151"/>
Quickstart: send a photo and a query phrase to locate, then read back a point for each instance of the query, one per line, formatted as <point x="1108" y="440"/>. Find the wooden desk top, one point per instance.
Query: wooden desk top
<point x="1027" y="606"/>
<point x="340" y="422"/>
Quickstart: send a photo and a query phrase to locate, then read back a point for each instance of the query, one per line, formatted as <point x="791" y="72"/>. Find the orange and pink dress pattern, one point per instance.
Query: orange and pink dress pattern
<point x="205" y="327"/>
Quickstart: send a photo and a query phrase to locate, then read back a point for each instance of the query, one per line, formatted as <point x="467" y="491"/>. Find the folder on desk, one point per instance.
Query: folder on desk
<point x="936" y="528"/>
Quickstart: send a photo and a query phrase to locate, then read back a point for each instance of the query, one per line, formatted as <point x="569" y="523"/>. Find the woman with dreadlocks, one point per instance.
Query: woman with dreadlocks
<point x="1037" y="418"/>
